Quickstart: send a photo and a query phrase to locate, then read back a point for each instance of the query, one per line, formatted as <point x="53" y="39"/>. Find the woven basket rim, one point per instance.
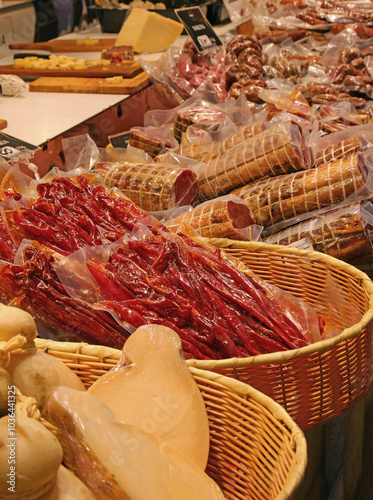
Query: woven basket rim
<point x="322" y="345"/>
<point x="105" y="353"/>
<point x="241" y="388"/>
<point x="79" y="348"/>
<point x="278" y="412"/>
<point x="276" y="357"/>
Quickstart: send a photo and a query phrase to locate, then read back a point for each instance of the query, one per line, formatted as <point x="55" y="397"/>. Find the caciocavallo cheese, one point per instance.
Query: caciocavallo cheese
<point x="148" y="31"/>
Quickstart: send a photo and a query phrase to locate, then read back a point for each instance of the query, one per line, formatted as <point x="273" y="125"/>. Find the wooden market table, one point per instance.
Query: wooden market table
<point x="44" y="118"/>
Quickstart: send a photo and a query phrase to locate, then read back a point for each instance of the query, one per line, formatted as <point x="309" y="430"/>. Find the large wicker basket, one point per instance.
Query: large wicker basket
<point x="323" y="380"/>
<point x="257" y="452"/>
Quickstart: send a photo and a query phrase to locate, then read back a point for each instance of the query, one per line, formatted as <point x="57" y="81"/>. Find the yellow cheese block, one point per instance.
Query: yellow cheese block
<point x="148" y="31"/>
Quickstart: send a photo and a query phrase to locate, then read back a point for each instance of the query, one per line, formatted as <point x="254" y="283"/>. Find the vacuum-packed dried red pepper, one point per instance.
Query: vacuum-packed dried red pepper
<point x="163" y="278"/>
<point x="74" y="213"/>
<point x="7" y="247"/>
<point x="35" y="287"/>
<point x="234" y="320"/>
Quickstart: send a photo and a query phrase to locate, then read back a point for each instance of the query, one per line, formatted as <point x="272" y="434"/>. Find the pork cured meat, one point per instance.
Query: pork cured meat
<point x="275" y="151"/>
<point x="341" y="149"/>
<point x="342" y="233"/>
<point x="280" y="199"/>
<point x="204" y="117"/>
<point x="148" y="140"/>
<point x="153" y="187"/>
<point x="216" y="219"/>
<point x="202" y="152"/>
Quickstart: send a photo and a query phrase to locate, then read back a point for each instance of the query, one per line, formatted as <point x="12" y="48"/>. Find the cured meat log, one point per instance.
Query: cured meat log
<point x="153" y="187"/>
<point x="280" y="199"/>
<point x="204" y="117"/>
<point x="204" y="152"/>
<point x="277" y="150"/>
<point x="216" y="219"/>
<point x="341" y="149"/>
<point x="343" y="233"/>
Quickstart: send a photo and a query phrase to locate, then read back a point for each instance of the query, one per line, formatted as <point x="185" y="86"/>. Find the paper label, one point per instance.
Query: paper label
<point x="120" y="140"/>
<point x="304" y="243"/>
<point x="198" y="27"/>
<point x="11" y="146"/>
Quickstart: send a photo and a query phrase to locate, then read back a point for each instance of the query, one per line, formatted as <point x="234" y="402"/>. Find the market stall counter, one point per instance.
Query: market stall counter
<point x="272" y="157"/>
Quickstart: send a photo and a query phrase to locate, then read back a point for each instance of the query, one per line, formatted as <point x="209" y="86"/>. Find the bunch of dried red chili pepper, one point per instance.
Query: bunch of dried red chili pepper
<point x="218" y="311"/>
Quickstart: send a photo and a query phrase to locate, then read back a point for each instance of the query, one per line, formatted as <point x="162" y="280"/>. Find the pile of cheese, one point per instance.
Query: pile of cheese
<point x="59" y="62"/>
<point x="139" y="4"/>
<point x="148" y="31"/>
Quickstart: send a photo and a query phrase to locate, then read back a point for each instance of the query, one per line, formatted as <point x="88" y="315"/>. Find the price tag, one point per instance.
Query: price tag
<point x="120" y="140"/>
<point x="239" y="11"/>
<point x="304" y="244"/>
<point x="198" y="27"/>
<point x="11" y="146"/>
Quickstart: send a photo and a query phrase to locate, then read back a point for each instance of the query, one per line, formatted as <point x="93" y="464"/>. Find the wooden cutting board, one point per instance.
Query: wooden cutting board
<point x="127" y="69"/>
<point x="90" y="85"/>
<point x="57" y="45"/>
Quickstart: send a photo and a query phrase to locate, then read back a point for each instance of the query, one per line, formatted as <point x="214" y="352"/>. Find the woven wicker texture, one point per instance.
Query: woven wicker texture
<point x="257" y="452"/>
<point x="320" y="381"/>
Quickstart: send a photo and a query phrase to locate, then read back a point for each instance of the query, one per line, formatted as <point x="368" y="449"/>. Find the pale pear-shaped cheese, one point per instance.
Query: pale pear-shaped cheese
<point x="15" y="321"/>
<point x="67" y="487"/>
<point x="30" y="456"/>
<point x="37" y="374"/>
<point x="119" y="461"/>
<point x="152" y="388"/>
